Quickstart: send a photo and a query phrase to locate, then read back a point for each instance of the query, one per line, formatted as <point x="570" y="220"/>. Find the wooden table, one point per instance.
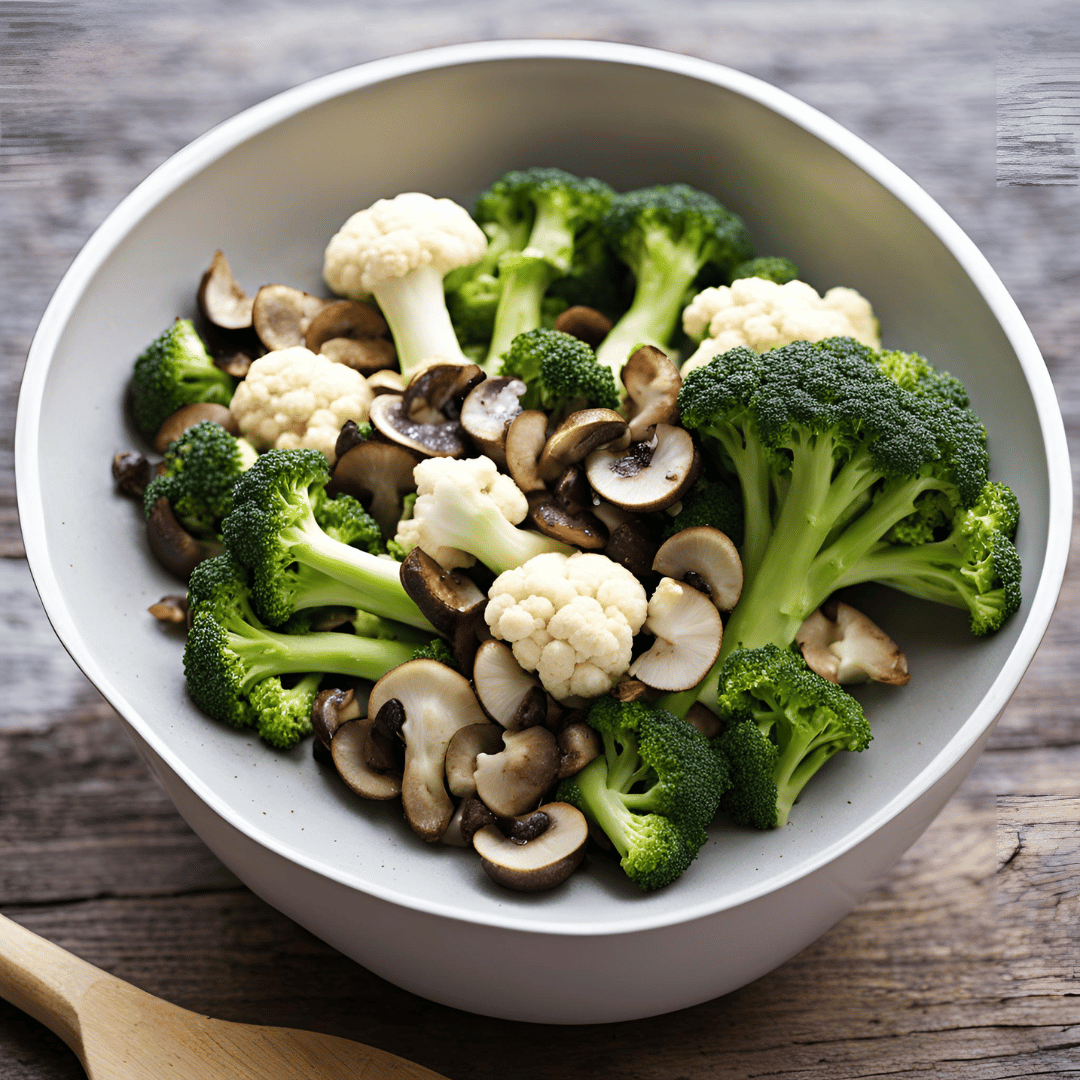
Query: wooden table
<point x="962" y="964"/>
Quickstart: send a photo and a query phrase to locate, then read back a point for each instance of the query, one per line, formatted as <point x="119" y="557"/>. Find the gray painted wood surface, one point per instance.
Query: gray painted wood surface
<point x="921" y="977"/>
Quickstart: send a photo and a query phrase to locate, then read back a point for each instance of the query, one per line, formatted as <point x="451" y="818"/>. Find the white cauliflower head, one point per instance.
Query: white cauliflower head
<point x="572" y="620"/>
<point x="759" y="314"/>
<point x="296" y="398"/>
<point x="479" y="479"/>
<point x="395" y="236"/>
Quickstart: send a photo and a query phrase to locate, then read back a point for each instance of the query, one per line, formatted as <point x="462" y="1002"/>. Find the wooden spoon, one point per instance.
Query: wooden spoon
<point x="122" y="1033"/>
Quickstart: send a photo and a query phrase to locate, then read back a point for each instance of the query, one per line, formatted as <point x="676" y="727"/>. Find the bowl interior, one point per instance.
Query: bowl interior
<point x="271" y="203"/>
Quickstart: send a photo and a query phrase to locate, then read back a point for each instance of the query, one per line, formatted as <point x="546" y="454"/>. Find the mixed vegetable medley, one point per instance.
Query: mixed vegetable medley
<point x="474" y="526"/>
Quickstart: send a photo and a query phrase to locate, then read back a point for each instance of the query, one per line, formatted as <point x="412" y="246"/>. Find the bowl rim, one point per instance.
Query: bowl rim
<point x="208" y="147"/>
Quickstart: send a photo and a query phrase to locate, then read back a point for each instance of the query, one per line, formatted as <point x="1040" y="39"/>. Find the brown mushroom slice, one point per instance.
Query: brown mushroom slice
<point x="538" y="864"/>
<point x="525" y="438"/>
<point x="437" y="701"/>
<point x="703" y="556"/>
<point x="570" y="524"/>
<point x="434" y="389"/>
<point x="514" y="780"/>
<point x="488" y="411"/>
<point x="632" y="690"/>
<point x="585" y="323"/>
<point x="221" y="299"/>
<point x="171" y="544"/>
<point x="170" y="609"/>
<point x="652" y="383"/>
<point x="688" y="631"/>
<point x="577" y="437"/>
<point x="705" y="720"/>
<point x="344" y="320"/>
<point x="461" y="753"/>
<point x="281" y="315"/>
<point x="379" y="475"/>
<point x="386" y="381"/>
<point x="446" y="597"/>
<point x="502" y="685"/>
<point x="331" y="709"/>
<point x="632" y="545"/>
<point x="650" y="475"/>
<point x="366" y="355"/>
<point x="131" y="472"/>
<point x="349" y="751"/>
<point x="444" y="438"/>
<point x="578" y="745"/>
<point x="187" y="416"/>
<point x="843" y="645"/>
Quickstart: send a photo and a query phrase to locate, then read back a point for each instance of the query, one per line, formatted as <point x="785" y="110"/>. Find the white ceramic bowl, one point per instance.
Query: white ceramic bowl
<point x="270" y="187"/>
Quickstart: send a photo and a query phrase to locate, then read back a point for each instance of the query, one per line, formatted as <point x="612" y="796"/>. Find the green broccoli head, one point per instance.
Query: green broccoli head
<point x="344" y="519"/>
<point x="653" y="791"/>
<point x="472" y="308"/>
<point x="283" y="717"/>
<point x="198" y="474"/>
<point x="175" y="370"/>
<point x="916" y="374"/>
<point x="436" y="649"/>
<point x="597" y="278"/>
<point x="801" y="720"/>
<point x="708" y="502"/>
<point x="771" y="267"/>
<point x="560" y="371"/>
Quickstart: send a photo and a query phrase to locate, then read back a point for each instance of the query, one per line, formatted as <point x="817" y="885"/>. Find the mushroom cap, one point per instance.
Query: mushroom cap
<point x="221" y="299"/>
<point x="187" y="416"/>
<point x="443" y="438"/>
<point x="352" y="319"/>
<point x="349" y="750"/>
<point x="688" y="632"/>
<point x="577" y="437"/>
<point x="652" y="383"/>
<point x="578" y="745"/>
<point x="437" y="702"/>
<point x="585" y="323"/>
<point x="502" y="685"/>
<point x="281" y="315"/>
<point x="541" y="863"/>
<point x="439" y="387"/>
<point x="445" y="597"/>
<point x="708" y="553"/>
<point x="515" y="779"/>
<point x="171" y="544"/>
<point x="843" y="645"/>
<point x="525" y="438"/>
<point x="488" y="411"/>
<point x="461" y="752"/>
<point x="379" y="475"/>
<point x="649" y="475"/>
<point x="386" y="381"/>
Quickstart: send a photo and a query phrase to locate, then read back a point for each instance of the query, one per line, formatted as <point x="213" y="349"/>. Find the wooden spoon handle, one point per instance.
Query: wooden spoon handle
<point x="45" y="981"/>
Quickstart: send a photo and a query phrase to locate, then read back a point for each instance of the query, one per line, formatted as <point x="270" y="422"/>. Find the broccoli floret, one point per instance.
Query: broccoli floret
<point x="915" y="373"/>
<point x="653" y="791"/>
<point x="344" y="519"/>
<point x="283" y="717"/>
<point x="708" y="502"/>
<point x="666" y="235"/>
<point x="771" y="267"/>
<point x="554" y="206"/>
<point x="175" y="370"/>
<point x="472" y="309"/>
<point x="229" y="651"/>
<point x="436" y="649"/>
<point x="197" y="477"/>
<point x="273" y="529"/>
<point x="598" y="278"/>
<point x="784" y="723"/>
<point x="561" y="373"/>
<point x="831" y="454"/>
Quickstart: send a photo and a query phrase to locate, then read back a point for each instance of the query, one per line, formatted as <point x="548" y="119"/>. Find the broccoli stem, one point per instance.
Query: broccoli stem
<point x="523" y="288"/>
<point x="606" y="806"/>
<point x="664" y="273"/>
<point x="415" y="308"/>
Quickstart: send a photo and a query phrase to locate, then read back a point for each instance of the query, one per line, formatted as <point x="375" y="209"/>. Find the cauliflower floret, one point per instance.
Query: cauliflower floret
<point x="399" y="250"/>
<point x="572" y="620"/>
<point x="477" y="478"/>
<point x="295" y="398"/>
<point x="762" y="315"/>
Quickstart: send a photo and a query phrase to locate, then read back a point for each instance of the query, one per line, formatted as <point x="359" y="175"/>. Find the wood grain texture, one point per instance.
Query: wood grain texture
<point x="950" y="968"/>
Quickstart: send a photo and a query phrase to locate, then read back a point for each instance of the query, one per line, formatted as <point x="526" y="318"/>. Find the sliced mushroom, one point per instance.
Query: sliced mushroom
<point x="221" y="299"/>
<point x="281" y="315"/>
<point x="236" y="362"/>
<point x="585" y="323"/>
<point x="487" y="412"/>
<point x="578" y="745"/>
<point x="525" y="438"/>
<point x="330" y="710"/>
<point x="652" y="382"/>
<point x="437" y="701"/>
<point x="171" y="544"/>
<point x="377" y="474"/>
<point x="435" y="392"/>
<point x="541" y="863"/>
<point x="632" y="690"/>
<point x="705" y="720"/>
<point x="349" y="750"/>
<point x="566" y="513"/>
<point x="470" y="816"/>
<point x="687" y="629"/>
<point x="444" y="438"/>
<point x="843" y="645"/>
<point x="515" y="779"/>
<point x="351" y="333"/>
<point x="578" y="436"/>
<point x="386" y="381"/>
<point x="131" y="473"/>
<point x="632" y="545"/>
<point x="705" y="558"/>
<point x="461" y="753"/>
<point x="170" y="609"/>
<point x="651" y="475"/>
<point x="366" y="355"/>
<point x="187" y="416"/>
<point x="502" y="686"/>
